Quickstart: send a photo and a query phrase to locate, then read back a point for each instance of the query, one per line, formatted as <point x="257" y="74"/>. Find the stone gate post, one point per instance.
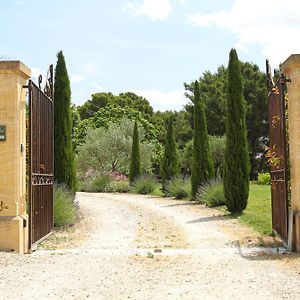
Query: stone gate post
<point x="291" y="68"/>
<point x="13" y="216"/>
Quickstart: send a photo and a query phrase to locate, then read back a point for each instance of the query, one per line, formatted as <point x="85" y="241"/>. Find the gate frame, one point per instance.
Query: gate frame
<point x="277" y="89"/>
<point x="48" y="92"/>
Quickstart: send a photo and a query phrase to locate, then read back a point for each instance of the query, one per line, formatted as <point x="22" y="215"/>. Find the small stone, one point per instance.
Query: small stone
<point x="157" y="251"/>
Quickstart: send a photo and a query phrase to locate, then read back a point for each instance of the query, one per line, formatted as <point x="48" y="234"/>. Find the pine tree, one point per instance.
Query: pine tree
<point x="169" y="165"/>
<point x="64" y="165"/>
<point x="135" y="164"/>
<point x="202" y="165"/>
<point x="237" y="165"/>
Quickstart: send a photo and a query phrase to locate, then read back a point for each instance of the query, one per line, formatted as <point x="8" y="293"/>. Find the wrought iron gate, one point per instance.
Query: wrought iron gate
<point x="277" y="154"/>
<point x="40" y="159"/>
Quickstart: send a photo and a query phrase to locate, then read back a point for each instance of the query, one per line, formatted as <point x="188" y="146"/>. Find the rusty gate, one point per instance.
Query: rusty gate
<point x="277" y="154"/>
<point x="40" y="175"/>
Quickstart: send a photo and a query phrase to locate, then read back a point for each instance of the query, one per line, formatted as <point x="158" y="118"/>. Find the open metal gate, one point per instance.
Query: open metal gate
<point x="277" y="154"/>
<point x="41" y="144"/>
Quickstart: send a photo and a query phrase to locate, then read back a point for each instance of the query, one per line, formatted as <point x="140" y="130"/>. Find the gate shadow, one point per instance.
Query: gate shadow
<point x="212" y="219"/>
<point x="267" y="253"/>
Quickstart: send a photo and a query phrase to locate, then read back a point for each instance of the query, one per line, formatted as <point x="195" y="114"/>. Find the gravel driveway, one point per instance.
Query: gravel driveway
<point x="141" y="247"/>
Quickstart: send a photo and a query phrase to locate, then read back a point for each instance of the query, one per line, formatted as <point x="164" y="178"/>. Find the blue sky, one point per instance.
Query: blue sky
<point x="146" y="46"/>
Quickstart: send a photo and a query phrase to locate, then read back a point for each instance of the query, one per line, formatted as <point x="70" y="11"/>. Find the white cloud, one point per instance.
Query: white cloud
<point x="272" y="24"/>
<point x="76" y="78"/>
<point x="173" y="100"/>
<point x="154" y="9"/>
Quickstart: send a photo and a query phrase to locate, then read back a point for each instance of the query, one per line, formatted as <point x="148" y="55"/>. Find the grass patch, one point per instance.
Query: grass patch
<point x="258" y="212"/>
<point x="158" y="191"/>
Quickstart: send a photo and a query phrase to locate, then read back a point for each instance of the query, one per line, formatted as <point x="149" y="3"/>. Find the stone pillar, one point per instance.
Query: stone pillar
<point x="13" y="215"/>
<point x="291" y="68"/>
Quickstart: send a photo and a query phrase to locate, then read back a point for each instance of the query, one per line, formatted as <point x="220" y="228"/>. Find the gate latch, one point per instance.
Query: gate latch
<point x="2" y="133"/>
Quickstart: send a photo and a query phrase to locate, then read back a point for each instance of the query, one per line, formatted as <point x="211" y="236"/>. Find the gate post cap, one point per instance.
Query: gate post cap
<point x="293" y="61"/>
<point x="15" y="67"/>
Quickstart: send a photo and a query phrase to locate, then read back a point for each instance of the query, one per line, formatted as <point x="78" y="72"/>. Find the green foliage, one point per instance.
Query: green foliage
<point x="213" y="92"/>
<point x="179" y="187"/>
<point x="75" y="127"/>
<point x="144" y="185"/>
<point x="182" y="126"/>
<point x="255" y="94"/>
<point x="217" y="149"/>
<point x="101" y="183"/>
<point x="124" y="100"/>
<point x="135" y="163"/>
<point x="170" y="165"/>
<point x="118" y="187"/>
<point x="202" y="166"/>
<point x="211" y="194"/>
<point x="186" y="158"/>
<point x="212" y="89"/>
<point x="65" y="210"/>
<point x="64" y="165"/>
<point x="236" y="170"/>
<point x="109" y="150"/>
<point x="105" y="116"/>
<point x="158" y="191"/>
<point x="264" y="178"/>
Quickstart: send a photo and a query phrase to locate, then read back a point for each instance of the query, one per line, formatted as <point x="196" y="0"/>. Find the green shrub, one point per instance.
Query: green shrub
<point x="144" y="185"/>
<point x="211" y="194"/>
<point x="81" y="184"/>
<point x="65" y="210"/>
<point x="118" y="187"/>
<point x="264" y="178"/>
<point x="179" y="187"/>
<point x="100" y="184"/>
<point x="85" y="186"/>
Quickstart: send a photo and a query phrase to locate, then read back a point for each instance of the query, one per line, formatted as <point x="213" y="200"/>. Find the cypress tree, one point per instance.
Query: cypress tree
<point x="237" y="165"/>
<point x="64" y="166"/>
<point x="169" y="165"/>
<point x="135" y="164"/>
<point x="202" y="165"/>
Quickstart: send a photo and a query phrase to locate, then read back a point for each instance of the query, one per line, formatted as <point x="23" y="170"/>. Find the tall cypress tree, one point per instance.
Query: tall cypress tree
<point x="237" y="165"/>
<point x="135" y="164"/>
<point x="202" y="165"/>
<point x="64" y="166"/>
<point x="169" y="165"/>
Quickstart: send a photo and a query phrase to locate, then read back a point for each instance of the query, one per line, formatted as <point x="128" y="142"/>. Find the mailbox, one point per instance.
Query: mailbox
<point x="2" y="133"/>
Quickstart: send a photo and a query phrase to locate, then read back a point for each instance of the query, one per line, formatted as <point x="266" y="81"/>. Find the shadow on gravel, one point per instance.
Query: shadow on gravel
<point x="266" y="253"/>
<point x="182" y="204"/>
<point x="269" y="254"/>
<point x="211" y="219"/>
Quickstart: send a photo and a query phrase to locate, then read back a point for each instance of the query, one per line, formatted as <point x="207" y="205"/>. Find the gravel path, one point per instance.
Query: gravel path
<point x="140" y="247"/>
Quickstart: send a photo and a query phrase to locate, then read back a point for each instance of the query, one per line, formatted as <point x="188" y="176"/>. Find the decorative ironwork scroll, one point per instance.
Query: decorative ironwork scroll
<point x="49" y="86"/>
